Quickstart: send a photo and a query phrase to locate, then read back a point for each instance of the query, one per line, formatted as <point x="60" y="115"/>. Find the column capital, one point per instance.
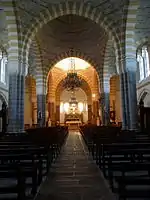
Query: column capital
<point x="128" y="58"/>
<point x="129" y="64"/>
<point x="40" y="88"/>
<point x="13" y="66"/>
<point x="16" y="66"/>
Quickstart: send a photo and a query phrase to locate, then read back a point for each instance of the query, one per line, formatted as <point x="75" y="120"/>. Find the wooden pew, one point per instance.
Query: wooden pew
<point x="133" y="184"/>
<point x="128" y="152"/>
<point x="29" y="155"/>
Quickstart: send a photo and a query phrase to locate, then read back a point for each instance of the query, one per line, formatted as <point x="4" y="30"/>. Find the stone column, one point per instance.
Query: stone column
<point x="105" y="99"/>
<point x="89" y="113"/>
<point x="58" y="113"/>
<point x="51" y="110"/>
<point x="95" y="111"/>
<point x="33" y="113"/>
<point x="129" y="96"/>
<point x="105" y="108"/>
<point x="124" y="101"/>
<point x="21" y="94"/>
<point x="16" y="97"/>
<point x="41" y="110"/>
<point x="41" y="104"/>
<point x="117" y="101"/>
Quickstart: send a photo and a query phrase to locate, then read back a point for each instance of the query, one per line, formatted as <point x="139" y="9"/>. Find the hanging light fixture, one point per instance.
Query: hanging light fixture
<point x="73" y="103"/>
<point x="72" y="81"/>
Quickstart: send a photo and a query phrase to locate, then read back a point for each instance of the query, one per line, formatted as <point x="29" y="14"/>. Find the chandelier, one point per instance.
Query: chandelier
<point x="73" y="101"/>
<point x="72" y="81"/>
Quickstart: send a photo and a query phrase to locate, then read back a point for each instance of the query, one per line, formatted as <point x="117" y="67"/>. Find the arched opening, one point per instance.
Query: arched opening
<point x="145" y="98"/>
<point x="58" y="97"/>
<point x="72" y="35"/>
<point x="3" y="102"/>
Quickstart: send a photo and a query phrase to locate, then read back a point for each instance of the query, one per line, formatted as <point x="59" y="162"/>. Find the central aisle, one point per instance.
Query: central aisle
<point x="74" y="176"/>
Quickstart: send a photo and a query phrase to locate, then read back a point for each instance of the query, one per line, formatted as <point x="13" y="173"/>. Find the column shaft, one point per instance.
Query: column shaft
<point x="21" y="93"/>
<point x="128" y="95"/>
<point x="89" y="114"/>
<point x="133" y="116"/>
<point x="124" y="101"/>
<point x="105" y="108"/>
<point x="57" y="112"/>
<point x="16" y="103"/>
<point x="41" y="110"/>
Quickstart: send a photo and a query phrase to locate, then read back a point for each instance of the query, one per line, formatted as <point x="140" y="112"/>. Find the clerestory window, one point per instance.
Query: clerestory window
<point x="143" y="62"/>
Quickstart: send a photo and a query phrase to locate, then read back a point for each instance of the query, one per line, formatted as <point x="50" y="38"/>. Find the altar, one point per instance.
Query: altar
<point x="73" y="120"/>
<point x="73" y="108"/>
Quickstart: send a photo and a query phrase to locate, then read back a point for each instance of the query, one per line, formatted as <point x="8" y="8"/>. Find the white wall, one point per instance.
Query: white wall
<point x="142" y="88"/>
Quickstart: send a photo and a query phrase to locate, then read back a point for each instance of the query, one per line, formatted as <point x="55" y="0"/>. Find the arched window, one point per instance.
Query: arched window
<point x="3" y="66"/>
<point x="143" y="62"/>
<point x="141" y="67"/>
<point x="145" y="56"/>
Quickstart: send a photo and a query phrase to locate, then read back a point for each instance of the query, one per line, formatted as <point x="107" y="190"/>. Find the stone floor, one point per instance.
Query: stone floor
<point x="74" y="176"/>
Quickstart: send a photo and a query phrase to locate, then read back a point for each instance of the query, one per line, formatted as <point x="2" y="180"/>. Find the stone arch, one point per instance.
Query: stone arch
<point x="108" y="58"/>
<point x="130" y="45"/>
<point x="86" y="88"/>
<point x="142" y="42"/>
<point x="77" y="54"/>
<point x="108" y="66"/>
<point x="143" y="94"/>
<point x="3" y="98"/>
<point x="36" y="65"/>
<point x="37" y="69"/>
<point x="61" y="78"/>
<point x="14" y="48"/>
<point x="76" y="8"/>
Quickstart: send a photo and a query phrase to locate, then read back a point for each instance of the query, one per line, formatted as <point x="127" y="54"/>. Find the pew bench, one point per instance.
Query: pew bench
<point x="134" y="180"/>
<point x="18" y="181"/>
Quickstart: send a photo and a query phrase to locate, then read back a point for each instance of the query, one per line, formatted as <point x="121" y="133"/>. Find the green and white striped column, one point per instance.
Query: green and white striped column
<point x="16" y="97"/>
<point x="105" y="100"/>
<point x="128" y="94"/>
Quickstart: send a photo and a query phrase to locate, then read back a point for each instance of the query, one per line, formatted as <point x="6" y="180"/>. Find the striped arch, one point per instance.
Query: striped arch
<point x="110" y="67"/>
<point x="142" y="42"/>
<point x="79" y="74"/>
<point x="14" y="46"/>
<point x="86" y="88"/>
<point x="36" y="67"/>
<point x="130" y="45"/>
<point x="143" y="94"/>
<point x="76" y="8"/>
<point x="77" y="54"/>
<point x="3" y="98"/>
<point x="105" y="77"/>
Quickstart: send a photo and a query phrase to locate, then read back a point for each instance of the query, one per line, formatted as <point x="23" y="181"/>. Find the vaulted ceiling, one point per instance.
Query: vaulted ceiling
<point x="72" y="32"/>
<point x="29" y="9"/>
<point x="142" y="28"/>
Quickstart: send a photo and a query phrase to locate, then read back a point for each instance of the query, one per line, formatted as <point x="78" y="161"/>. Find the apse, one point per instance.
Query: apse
<point x="65" y="64"/>
<point x="74" y="105"/>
